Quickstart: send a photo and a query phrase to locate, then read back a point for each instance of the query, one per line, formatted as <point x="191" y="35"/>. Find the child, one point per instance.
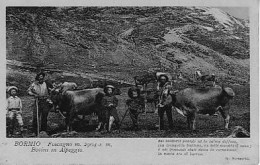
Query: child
<point x="135" y="105"/>
<point x="14" y="108"/>
<point x="110" y="102"/>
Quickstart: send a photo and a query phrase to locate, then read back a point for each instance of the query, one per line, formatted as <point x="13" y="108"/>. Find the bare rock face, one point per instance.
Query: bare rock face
<point x="239" y="132"/>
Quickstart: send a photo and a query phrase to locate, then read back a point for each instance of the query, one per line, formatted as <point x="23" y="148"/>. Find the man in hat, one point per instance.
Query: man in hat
<point x="14" y="108"/>
<point x="40" y="90"/>
<point x="163" y="88"/>
<point x="110" y="102"/>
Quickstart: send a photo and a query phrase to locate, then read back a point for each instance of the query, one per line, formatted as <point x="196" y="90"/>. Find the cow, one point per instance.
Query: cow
<point x="80" y="102"/>
<point x="143" y="80"/>
<point x="61" y="88"/>
<point x="205" y="78"/>
<point x="191" y="101"/>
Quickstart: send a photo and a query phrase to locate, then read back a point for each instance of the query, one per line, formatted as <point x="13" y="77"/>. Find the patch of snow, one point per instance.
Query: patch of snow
<point x="236" y="37"/>
<point x="220" y="16"/>
<point x="208" y="28"/>
<point x="127" y="33"/>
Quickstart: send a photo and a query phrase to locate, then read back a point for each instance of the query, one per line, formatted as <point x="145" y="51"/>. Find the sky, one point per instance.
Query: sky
<point x="239" y="12"/>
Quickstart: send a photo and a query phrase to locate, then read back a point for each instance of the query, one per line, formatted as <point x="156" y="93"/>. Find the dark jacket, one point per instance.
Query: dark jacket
<point x="109" y="101"/>
<point x="135" y="104"/>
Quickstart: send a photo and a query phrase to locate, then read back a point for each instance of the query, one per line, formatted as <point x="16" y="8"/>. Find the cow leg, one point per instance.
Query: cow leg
<point x="99" y="126"/>
<point x="191" y="121"/>
<point x="225" y="114"/>
<point x="101" y="121"/>
<point x="69" y="119"/>
<point x="67" y="123"/>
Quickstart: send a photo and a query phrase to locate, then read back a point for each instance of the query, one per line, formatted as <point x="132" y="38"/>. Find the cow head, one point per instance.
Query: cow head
<point x="229" y="92"/>
<point x="55" y="96"/>
<point x="226" y="95"/>
<point x="168" y="97"/>
<point x="144" y="79"/>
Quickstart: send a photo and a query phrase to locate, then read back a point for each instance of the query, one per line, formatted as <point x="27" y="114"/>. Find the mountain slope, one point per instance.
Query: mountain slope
<point x="121" y="42"/>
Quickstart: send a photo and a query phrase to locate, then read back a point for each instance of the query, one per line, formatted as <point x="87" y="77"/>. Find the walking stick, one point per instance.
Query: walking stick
<point x="38" y="123"/>
<point x="160" y="100"/>
<point x="159" y="122"/>
<point x="124" y="116"/>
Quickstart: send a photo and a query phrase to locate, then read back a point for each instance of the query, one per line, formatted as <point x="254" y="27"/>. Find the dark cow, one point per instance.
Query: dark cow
<point x="189" y="102"/>
<point x="60" y="89"/>
<point x="205" y="78"/>
<point x="80" y="102"/>
<point x="144" y="79"/>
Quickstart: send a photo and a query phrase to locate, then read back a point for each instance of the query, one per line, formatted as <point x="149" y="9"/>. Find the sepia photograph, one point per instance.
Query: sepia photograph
<point x="111" y="83"/>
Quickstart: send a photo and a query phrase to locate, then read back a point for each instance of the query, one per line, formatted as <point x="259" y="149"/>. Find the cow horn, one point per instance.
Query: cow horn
<point x="229" y="91"/>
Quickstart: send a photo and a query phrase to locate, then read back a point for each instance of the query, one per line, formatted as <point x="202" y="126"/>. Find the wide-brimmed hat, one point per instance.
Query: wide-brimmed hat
<point x="12" y="87"/>
<point x="163" y="75"/>
<point x="109" y="86"/>
<point x="132" y="89"/>
<point x="39" y="74"/>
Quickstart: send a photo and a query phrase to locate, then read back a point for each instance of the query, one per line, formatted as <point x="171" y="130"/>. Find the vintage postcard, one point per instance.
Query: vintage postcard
<point x="130" y="82"/>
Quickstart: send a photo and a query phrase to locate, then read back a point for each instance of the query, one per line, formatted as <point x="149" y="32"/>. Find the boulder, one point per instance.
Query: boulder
<point x="43" y="134"/>
<point x="239" y="132"/>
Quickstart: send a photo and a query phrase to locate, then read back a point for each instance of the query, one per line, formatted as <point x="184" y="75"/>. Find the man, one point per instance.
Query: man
<point x="40" y="90"/>
<point x="163" y="87"/>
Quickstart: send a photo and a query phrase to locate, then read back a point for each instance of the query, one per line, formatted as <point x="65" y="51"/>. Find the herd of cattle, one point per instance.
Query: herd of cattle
<point x="188" y="102"/>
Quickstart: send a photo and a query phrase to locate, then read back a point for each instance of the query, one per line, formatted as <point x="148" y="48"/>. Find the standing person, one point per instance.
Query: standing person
<point x="163" y="87"/>
<point x="110" y="102"/>
<point x="135" y="105"/>
<point x="14" y="108"/>
<point x="40" y="90"/>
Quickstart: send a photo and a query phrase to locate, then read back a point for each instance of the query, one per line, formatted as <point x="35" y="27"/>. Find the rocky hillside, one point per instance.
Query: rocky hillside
<point x="120" y="42"/>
